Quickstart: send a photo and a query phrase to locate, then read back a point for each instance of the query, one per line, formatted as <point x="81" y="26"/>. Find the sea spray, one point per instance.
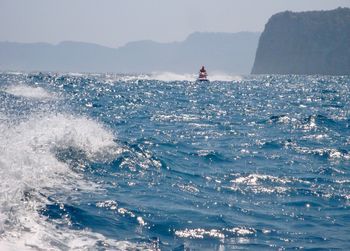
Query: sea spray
<point x="31" y="172"/>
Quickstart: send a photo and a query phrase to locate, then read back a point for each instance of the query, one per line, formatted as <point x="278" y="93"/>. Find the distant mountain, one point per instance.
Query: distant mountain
<point x="226" y="52"/>
<point x="314" y="42"/>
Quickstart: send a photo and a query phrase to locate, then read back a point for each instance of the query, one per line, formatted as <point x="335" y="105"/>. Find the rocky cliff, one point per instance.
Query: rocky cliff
<point x="314" y="42"/>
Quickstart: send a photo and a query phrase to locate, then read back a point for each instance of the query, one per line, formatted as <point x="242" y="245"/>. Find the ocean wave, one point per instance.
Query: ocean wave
<point x="113" y="205"/>
<point x="261" y="183"/>
<point x="329" y="153"/>
<point x="311" y="123"/>
<point x="177" y="166"/>
<point x="30" y="172"/>
<point x="29" y="92"/>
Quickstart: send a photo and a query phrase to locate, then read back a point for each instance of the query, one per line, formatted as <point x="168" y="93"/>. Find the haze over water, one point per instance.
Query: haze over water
<point x="116" y="162"/>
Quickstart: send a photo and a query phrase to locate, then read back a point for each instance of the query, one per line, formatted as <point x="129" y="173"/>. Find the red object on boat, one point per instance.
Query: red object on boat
<point x="202" y="75"/>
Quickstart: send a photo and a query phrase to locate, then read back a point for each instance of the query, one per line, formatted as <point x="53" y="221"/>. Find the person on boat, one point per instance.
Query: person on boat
<point x="202" y="72"/>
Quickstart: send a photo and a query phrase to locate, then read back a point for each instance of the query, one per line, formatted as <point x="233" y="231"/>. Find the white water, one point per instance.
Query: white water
<point x="30" y="172"/>
<point x="170" y="76"/>
<point x="29" y="92"/>
<point x="213" y="76"/>
<point x="220" y="76"/>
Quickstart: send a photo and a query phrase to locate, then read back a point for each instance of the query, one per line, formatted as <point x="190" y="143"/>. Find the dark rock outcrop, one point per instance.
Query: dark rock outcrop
<point x="314" y="42"/>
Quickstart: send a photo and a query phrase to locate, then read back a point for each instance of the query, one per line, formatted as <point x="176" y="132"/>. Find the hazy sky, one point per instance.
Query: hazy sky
<point x="115" y="22"/>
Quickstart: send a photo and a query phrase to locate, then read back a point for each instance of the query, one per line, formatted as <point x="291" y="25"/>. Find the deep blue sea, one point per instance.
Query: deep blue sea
<point x="159" y="162"/>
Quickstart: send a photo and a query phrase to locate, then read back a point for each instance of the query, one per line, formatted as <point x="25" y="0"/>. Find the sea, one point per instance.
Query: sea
<point x="161" y="162"/>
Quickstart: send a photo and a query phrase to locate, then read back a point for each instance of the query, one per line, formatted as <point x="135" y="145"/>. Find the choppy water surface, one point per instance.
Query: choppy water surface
<point x="106" y="162"/>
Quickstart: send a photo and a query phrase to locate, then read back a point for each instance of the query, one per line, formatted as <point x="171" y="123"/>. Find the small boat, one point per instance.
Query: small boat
<point x="203" y="76"/>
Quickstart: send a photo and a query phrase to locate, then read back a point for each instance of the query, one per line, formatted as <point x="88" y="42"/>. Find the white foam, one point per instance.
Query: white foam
<point x="110" y="204"/>
<point x="29" y="92"/>
<point x="30" y="172"/>
<point x="259" y="183"/>
<point x="199" y="233"/>
<point x="221" y="76"/>
<point x="241" y="230"/>
<point x="170" y="76"/>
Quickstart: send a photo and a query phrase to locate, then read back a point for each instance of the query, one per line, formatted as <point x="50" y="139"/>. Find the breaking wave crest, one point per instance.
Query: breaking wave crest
<point x="31" y="172"/>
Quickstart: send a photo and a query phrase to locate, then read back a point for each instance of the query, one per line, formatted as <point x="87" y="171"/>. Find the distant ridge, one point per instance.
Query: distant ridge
<point x="313" y="42"/>
<point x="225" y="52"/>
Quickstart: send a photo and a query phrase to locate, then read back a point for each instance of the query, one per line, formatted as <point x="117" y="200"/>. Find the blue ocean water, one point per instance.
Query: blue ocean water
<point x="116" y="162"/>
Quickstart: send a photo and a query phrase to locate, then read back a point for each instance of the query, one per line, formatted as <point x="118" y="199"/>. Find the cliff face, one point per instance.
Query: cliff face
<point x="315" y="42"/>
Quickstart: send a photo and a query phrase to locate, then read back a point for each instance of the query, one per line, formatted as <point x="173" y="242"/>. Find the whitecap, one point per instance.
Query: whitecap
<point x="29" y="92"/>
<point x="30" y="172"/>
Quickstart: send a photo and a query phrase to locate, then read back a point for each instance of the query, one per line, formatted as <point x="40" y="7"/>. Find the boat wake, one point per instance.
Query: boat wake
<point x="169" y="76"/>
